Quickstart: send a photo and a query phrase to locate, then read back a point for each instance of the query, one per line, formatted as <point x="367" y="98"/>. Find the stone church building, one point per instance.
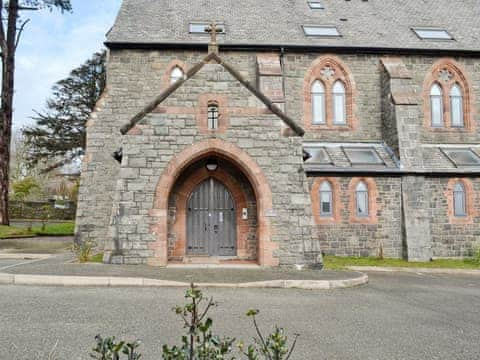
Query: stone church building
<point x="273" y="132"/>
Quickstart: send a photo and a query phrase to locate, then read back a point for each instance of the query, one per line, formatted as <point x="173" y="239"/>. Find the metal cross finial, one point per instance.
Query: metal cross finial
<point x="213" y="30"/>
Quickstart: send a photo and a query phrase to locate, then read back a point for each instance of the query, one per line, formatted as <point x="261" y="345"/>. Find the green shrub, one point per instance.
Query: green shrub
<point x="199" y="342"/>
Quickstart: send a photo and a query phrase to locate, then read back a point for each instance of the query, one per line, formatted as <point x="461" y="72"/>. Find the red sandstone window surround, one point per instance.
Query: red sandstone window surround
<point x="212" y="113"/>
<point x="447" y="98"/>
<point x="328" y="94"/>
<point x="460" y="200"/>
<point x="325" y="195"/>
<point x="363" y="206"/>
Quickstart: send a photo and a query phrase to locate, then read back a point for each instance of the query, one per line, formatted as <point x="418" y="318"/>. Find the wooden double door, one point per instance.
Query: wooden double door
<point x="211" y="220"/>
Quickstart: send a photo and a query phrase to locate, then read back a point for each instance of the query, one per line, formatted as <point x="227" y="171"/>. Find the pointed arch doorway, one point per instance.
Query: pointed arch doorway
<point x="211" y="220"/>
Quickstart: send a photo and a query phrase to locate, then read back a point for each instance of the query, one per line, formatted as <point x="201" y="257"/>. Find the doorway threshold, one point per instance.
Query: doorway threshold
<point x="206" y="262"/>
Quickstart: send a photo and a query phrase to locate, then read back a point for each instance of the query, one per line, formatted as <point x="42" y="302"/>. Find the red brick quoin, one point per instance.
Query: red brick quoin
<point x="336" y="70"/>
<point x="232" y="153"/>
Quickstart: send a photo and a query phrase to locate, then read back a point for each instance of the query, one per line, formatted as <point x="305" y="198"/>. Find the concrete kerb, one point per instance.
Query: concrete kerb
<point x="102" y="281"/>
<point x="415" y="270"/>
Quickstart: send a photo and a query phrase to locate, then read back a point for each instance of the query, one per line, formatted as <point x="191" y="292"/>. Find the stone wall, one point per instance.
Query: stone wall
<point x="251" y="132"/>
<point x="135" y="77"/>
<point x="452" y="237"/>
<point x="344" y="236"/>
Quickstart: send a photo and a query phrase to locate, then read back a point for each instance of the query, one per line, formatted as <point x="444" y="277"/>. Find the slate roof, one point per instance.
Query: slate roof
<point x="194" y="70"/>
<point x="369" y="24"/>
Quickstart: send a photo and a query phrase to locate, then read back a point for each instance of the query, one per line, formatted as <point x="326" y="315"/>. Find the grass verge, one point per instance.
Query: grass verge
<point x="62" y="229"/>
<point x="341" y="263"/>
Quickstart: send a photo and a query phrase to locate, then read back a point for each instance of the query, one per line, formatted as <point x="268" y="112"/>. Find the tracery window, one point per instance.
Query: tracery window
<point x="447" y="98"/>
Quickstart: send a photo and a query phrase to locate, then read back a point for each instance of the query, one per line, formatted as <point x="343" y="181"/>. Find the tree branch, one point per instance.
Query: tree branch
<point x="20" y="31"/>
<point x="3" y="44"/>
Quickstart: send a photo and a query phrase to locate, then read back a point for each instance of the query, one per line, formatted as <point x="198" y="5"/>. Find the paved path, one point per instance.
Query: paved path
<point x="60" y="265"/>
<point x="396" y="316"/>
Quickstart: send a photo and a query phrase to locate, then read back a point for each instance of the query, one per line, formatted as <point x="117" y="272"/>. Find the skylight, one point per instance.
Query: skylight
<point x="316" y="5"/>
<point x="432" y="34"/>
<point x="326" y="31"/>
<point x="201" y="27"/>
<point x="462" y="157"/>
<point x="363" y="156"/>
<point x="318" y="155"/>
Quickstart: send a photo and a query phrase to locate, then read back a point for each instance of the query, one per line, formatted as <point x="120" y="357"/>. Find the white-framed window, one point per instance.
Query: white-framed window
<point x="176" y="75"/>
<point x="456" y="106"/>
<point x="459" y="200"/>
<point x="361" y="197"/>
<point x="318" y="102"/>
<point x="436" y="105"/>
<point x="212" y="116"/>
<point x="326" y="199"/>
<point x="339" y="104"/>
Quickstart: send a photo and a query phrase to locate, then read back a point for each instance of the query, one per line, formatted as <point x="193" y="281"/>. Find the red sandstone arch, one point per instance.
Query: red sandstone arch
<point x="237" y="157"/>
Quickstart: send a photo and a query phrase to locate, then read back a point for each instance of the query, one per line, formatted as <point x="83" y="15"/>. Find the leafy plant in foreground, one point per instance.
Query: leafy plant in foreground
<point x="200" y="343"/>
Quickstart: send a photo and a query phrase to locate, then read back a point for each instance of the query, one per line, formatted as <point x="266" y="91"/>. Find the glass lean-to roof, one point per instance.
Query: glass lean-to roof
<point x="363" y="156"/>
<point x="318" y="155"/>
<point x="462" y="157"/>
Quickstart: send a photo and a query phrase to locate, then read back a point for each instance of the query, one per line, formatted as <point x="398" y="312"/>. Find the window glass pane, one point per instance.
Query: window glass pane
<point x="318" y="101"/>
<point x="437" y="111"/>
<point x="463" y="157"/>
<point x="212" y="117"/>
<point x="456" y="104"/>
<point x="362" y="203"/>
<point x="437" y="34"/>
<point x="363" y="156"/>
<point x="176" y="75"/>
<point x="321" y="31"/>
<point x="326" y="199"/>
<point x="316" y="5"/>
<point x="318" y="156"/>
<point x="459" y="200"/>
<point x="200" y="28"/>
<point x="339" y="109"/>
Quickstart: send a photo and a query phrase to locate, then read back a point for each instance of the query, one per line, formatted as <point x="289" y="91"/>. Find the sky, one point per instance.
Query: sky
<point x="52" y="45"/>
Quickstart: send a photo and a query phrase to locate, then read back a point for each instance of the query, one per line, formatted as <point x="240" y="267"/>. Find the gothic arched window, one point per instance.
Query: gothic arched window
<point x="456" y="106"/>
<point x="339" y="104"/>
<point x="361" y="193"/>
<point x="318" y="102"/>
<point x="212" y="117"/>
<point x="176" y="74"/>
<point x="436" y="105"/>
<point x="459" y="200"/>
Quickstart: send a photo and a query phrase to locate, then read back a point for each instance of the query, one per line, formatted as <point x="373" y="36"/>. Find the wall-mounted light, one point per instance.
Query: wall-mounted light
<point x="212" y="164"/>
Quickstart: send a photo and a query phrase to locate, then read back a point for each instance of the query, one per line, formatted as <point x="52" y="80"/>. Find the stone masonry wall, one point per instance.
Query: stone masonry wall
<point x="344" y="237"/>
<point x="450" y="237"/>
<point x="174" y="127"/>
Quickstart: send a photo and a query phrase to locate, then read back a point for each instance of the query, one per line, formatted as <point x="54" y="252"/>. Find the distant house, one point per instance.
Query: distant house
<point x="305" y="127"/>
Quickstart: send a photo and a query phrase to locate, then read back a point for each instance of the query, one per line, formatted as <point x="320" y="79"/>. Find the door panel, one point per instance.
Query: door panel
<point x="211" y="221"/>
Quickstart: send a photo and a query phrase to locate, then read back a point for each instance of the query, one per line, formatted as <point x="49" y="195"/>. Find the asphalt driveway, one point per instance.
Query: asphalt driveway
<point x="396" y="316"/>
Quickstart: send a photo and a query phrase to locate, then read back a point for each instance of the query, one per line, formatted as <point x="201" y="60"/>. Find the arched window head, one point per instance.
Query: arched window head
<point x="456" y="106"/>
<point x="326" y="199"/>
<point x="459" y="200"/>
<point x="362" y="200"/>
<point x="176" y="75"/>
<point x="436" y="105"/>
<point x="212" y="116"/>
<point x="318" y="102"/>
<point x="339" y="104"/>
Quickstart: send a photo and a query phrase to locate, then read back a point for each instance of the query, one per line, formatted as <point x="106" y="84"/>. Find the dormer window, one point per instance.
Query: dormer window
<point x="212" y="117"/>
<point x="176" y="75"/>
